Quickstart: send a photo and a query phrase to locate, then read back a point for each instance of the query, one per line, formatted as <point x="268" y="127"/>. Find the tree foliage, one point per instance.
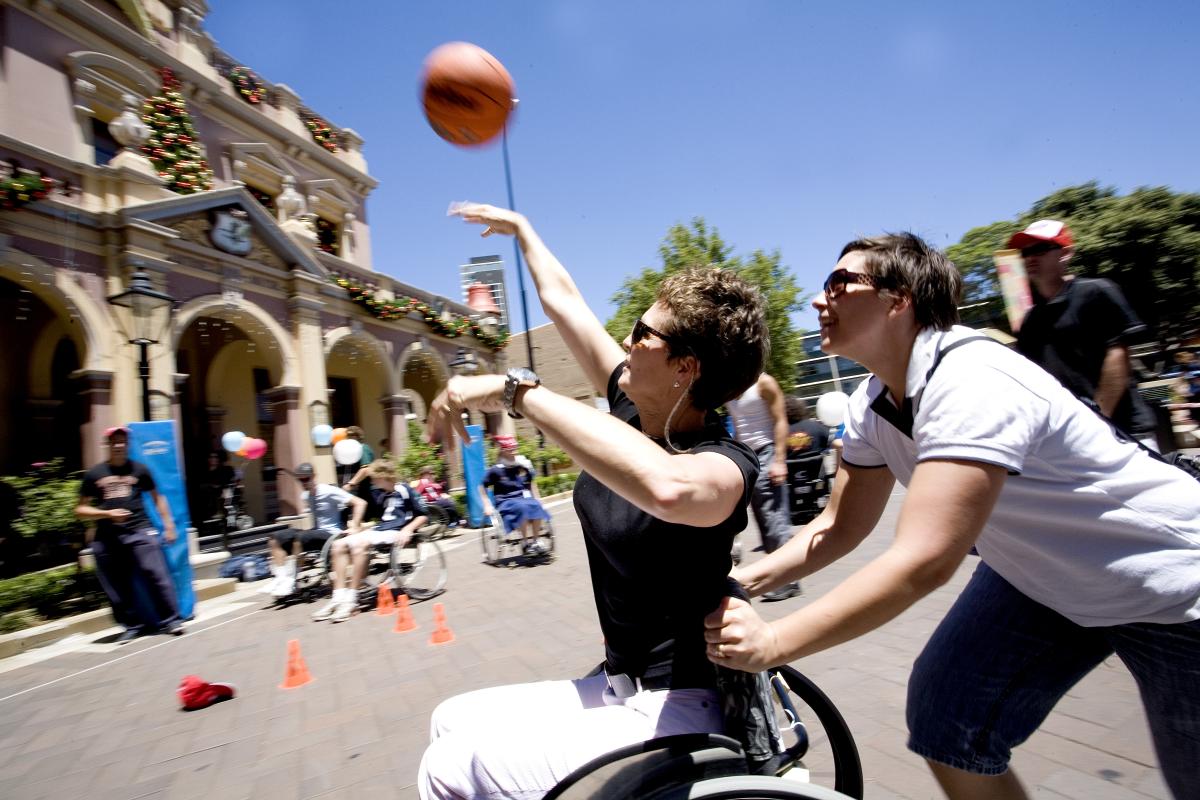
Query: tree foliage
<point x="697" y="244"/>
<point x="1147" y="242"/>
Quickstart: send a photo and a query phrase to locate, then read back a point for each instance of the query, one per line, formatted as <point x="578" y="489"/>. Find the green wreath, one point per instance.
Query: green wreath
<point x="322" y="132"/>
<point x="247" y="85"/>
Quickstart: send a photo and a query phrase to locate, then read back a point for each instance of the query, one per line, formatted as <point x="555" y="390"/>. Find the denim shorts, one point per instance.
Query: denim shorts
<point x="999" y="662"/>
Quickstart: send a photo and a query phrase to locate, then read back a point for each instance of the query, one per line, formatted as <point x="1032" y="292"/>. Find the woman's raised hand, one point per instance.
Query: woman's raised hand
<point x="497" y="220"/>
<point x="480" y="393"/>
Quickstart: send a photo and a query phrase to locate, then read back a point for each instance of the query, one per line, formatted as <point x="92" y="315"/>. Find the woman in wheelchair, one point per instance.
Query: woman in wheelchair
<point x="662" y="494"/>
<point x="403" y="513"/>
<point x="325" y="502"/>
<point x="517" y="500"/>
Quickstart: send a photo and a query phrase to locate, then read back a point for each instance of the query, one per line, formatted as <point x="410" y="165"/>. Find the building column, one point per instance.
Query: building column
<point x="289" y="443"/>
<point x="177" y="416"/>
<point x="395" y="409"/>
<point x="98" y="413"/>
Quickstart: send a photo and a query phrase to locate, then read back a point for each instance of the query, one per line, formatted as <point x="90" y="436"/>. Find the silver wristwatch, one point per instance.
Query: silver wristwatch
<point x="513" y="380"/>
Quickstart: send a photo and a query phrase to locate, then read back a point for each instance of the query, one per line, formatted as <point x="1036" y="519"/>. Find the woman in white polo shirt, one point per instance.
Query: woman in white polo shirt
<point x="1089" y="544"/>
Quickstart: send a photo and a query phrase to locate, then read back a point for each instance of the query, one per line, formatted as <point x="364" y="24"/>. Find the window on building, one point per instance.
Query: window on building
<point x="328" y="236"/>
<point x="341" y="404"/>
<point x="106" y="147"/>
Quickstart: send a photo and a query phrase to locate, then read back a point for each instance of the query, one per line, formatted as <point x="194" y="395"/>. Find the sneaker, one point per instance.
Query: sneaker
<point x="269" y="586"/>
<point x="782" y="593"/>
<point x="534" y="549"/>
<point x="324" y="613"/>
<point x="285" y="585"/>
<point x="343" y="611"/>
<point x="127" y="636"/>
<point x="175" y="629"/>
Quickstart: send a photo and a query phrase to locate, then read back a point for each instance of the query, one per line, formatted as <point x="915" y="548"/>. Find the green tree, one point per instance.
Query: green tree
<point x="697" y="244"/>
<point x="1147" y="242"/>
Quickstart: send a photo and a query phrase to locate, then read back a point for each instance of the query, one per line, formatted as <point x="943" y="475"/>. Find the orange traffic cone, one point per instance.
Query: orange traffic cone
<point x="384" y="604"/>
<point x="441" y="634"/>
<point x="404" y="617"/>
<point x="297" y="670"/>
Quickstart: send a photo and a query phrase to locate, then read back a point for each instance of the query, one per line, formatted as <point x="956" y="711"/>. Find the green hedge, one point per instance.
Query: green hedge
<point x="555" y="484"/>
<point x="31" y="599"/>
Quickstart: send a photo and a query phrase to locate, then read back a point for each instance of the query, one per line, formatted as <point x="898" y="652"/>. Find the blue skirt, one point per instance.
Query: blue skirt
<point x="517" y="510"/>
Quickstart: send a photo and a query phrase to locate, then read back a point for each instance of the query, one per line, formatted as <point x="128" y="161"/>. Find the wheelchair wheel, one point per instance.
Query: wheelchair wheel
<point x="438" y="524"/>
<point x="750" y="787"/>
<point x="419" y="568"/>
<point x="491" y="538"/>
<point x="827" y="751"/>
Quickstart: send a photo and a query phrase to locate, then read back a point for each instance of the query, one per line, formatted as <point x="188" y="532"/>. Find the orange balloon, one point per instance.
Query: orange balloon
<point x="338" y="435"/>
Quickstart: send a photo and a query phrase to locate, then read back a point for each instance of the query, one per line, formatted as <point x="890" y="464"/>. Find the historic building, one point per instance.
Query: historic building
<point x="131" y="145"/>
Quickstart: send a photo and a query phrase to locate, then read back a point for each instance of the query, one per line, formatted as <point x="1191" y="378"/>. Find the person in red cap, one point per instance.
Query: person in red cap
<point x="1079" y="329"/>
<point x="126" y="543"/>
<point x="517" y="499"/>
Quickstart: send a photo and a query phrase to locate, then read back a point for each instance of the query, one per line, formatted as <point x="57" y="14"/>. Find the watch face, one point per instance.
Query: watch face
<point x="231" y="232"/>
<point x="522" y="374"/>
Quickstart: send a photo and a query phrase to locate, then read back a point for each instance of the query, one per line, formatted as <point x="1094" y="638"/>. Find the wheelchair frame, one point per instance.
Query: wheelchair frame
<point x="506" y="547"/>
<point x="714" y="766"/>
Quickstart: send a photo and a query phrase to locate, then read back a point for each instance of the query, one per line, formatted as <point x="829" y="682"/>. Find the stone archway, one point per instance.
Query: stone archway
<point x="424" y="372"/>
<point x="232" y="365"/>
<point x="363" y="385"/>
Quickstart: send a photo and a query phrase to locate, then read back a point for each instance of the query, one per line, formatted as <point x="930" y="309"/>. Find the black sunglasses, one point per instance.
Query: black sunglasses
<point x="835" y="284"/>
<point x="1038" y="249"/>
<point x="641" y="330"/>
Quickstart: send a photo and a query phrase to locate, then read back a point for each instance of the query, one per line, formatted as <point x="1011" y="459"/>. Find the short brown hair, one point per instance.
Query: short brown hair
<point x="917" y="269"/>
<point x="384" y="471"/>
<point x="355" y="432"/>
<point x="720" y="319"/>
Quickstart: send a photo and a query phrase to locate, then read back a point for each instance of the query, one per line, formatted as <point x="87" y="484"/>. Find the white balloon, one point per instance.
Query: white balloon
<point x="347" y="452"/>
<point x="831" y="408"/>
<point x="232" y="441"/>
<point x="322" y="435"/>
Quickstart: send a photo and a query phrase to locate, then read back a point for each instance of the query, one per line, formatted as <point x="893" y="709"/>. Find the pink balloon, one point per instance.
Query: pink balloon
<point x="255" y="448"/>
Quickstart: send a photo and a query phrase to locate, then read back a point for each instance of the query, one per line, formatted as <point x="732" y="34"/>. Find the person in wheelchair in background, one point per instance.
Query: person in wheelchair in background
<point x="518" y="502"/>
<point x="325" y="503"/>
<point x="403" y="513"/>
<point x="433" y="493"/>
<point x="807" y="441"/>
<point x="663" y="492"/>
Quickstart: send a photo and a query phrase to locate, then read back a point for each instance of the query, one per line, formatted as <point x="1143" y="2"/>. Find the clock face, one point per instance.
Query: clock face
<point x="231" y="232"/>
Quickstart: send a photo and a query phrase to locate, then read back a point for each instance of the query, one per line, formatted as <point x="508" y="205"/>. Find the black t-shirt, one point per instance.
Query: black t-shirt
<point x="655" y="581"/>
<point x="119" y="487"/>
<point x="807" y="436"/>
<point x="1069" y="335"/>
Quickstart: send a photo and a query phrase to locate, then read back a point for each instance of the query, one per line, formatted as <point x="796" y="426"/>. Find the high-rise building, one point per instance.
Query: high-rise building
<point x="488" y="270"/>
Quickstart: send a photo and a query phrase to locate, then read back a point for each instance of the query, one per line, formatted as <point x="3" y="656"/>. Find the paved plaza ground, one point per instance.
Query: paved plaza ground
<point x="94" y="720"/>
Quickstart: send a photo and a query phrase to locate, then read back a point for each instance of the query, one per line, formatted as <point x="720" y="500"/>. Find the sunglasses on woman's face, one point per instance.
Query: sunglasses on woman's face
<point x="641" y="330"/>
<point x="836" y="283"/>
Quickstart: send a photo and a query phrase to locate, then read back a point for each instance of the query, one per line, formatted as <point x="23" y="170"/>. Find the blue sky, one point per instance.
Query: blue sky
<point x="788" y="125"/>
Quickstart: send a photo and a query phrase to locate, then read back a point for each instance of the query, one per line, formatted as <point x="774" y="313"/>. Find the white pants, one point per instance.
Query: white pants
<point x="519" y="741"/>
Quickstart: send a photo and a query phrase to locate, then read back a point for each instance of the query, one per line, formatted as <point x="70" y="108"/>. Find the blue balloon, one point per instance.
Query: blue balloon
<point x="232" y="441"/>
<point x="322" y="435"/>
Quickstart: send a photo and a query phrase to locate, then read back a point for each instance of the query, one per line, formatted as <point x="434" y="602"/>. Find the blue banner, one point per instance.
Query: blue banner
<point x="473" y="469"/>
<point x="154" y="444"/>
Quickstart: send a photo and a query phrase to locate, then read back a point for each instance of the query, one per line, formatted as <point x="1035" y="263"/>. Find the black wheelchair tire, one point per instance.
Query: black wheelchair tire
<point x="847" y="765"/>
<point x="751" y="787"/>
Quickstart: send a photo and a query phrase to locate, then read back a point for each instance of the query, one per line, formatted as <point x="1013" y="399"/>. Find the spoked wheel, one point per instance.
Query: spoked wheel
<point x="815" y="733"/>
<point x="419" y="568"/>
<point x="438" y="524"/>
<point x="750" y="787"/>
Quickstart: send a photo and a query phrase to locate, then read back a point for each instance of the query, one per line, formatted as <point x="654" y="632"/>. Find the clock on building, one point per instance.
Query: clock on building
<point x="231" y="231"/>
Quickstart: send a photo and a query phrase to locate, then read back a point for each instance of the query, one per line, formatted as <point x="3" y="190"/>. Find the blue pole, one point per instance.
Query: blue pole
<point x="517" y="253"/>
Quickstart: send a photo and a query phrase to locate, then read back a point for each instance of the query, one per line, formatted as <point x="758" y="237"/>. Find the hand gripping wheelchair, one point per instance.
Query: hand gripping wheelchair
<point x="695" y="766"/>
<point x="417" y="568"/>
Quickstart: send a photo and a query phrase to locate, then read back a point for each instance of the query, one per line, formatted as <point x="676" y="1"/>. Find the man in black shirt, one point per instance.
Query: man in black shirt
<point x="1079" y="329"/>
<point x="126" y="544"/>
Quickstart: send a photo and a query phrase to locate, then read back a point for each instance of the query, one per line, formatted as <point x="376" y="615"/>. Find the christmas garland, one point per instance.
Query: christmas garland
<point x="247" y="84"/>
<point x="322" y="132"/>
<point x="401" y="307"/>
<point x="23" y="187"/>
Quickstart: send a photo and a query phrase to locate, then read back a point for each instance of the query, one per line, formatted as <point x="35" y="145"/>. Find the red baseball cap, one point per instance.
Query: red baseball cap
<point x="196" y="693"/>
<point x="111" y="432"/>
<point x="506" y="442"/>
<point x="1044" y="230"/>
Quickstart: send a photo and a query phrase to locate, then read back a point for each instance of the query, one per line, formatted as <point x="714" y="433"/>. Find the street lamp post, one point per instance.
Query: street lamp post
<point x="143" y="302"/>
<point x="517" y="252"/>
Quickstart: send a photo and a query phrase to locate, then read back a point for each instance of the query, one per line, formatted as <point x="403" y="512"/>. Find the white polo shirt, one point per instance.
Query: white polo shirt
<point x="1086" y="524"/>
<point x="326" y="506"/>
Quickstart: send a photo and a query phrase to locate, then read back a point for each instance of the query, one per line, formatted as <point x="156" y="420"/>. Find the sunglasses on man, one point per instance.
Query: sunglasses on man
<point x="641" y="330"/>
<point x="836" y="283"/>
<point x="1039" y="249"/>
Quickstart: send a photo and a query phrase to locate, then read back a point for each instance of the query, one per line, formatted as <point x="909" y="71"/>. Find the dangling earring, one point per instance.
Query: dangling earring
<point x="676" y="386"/>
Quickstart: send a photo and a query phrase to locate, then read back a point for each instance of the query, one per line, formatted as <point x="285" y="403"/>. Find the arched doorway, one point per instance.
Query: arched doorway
<point x="359" y="378"/>
<point x="41" y="410"/>
<point x="232" y="362"/>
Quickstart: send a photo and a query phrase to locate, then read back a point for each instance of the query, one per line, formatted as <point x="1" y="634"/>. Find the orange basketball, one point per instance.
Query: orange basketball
<point x="467" y="93"/>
